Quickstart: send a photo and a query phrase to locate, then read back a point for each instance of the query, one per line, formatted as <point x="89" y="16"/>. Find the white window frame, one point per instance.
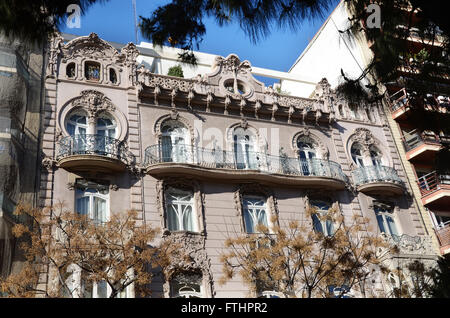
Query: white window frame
<point x="179" y="141"/>
<point x="179" y="203"/>
<point x="384" y="215"/>
<point x="254" y="217"/>
<point x="244" y="142"/>
<point x="77" y="286"/>
<point x="82" y="193"/>
<point x="322" y="212"/>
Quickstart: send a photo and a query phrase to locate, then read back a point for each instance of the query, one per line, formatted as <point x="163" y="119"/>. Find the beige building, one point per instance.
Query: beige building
<point x="212" y="156"/>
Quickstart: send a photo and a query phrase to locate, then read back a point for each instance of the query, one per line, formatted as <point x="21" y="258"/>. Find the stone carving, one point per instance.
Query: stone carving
<point x="53" y="53"/>
<point x="406" y="244"/>
<point x="193" y="247"/>
<point x="91" y="47"/>
<point x="364" y="137"/>
<point x="94" y="102"/>
<point x="130" y="52"/>
<point x="48" y="163"/>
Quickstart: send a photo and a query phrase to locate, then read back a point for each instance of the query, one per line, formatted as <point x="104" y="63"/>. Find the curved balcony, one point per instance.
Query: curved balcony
<point x="92" y="153"/>
<point x="377" y="180"/>
<point x="251" y="166"/>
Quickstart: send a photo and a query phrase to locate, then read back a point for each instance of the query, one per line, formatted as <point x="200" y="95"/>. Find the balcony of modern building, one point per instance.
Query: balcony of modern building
<point x="435" y="190"/>
<point x="423" y="146"/>
<point x="401" y="104"/>
<point x="442" y="230"/>
<point x="162" y="160"/>
<point x="90" y="152"/>
<point x="378" y="179"/>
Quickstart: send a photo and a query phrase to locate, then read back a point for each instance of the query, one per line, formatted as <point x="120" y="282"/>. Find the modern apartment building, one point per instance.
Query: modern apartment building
<point x="210" y="157"/>
<point x="421" y="143"/>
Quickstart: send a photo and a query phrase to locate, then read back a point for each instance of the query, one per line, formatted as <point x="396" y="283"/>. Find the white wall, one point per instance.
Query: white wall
<point x="327" y="53"/>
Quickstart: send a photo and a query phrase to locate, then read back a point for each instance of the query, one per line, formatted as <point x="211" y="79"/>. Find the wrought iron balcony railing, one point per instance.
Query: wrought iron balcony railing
<point x="221" y="159"/>
<point x="370" y="174"/>
<point x="93" y="145"/>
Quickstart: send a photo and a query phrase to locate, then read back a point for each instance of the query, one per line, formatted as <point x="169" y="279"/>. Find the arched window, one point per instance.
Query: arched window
<point x="375" y="156"/>
<point x="321" y="222"/>
<point x="254" y="209"/>
<point x="77" y="124"/>
<point x="370" y="115"/>
<point x="174" y="142"/>
<point x="112" y="76"/>
<point x="354" y="111"/>
<point x="186" y="285"/>
<point x="306" y="153"/>
<point x="92" y="71"/>
<point x="341" y="111"/>
<point x="385" y="220"/>
<point x="106" y="126"/>
<point x="244" y="149"/>
<point x="70" y="70"/>
<point x="357" y="157"/>
<point x="180" y="210"/>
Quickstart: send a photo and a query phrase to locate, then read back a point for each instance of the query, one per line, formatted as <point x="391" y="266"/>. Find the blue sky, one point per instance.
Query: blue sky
<point x="113" y="21"/>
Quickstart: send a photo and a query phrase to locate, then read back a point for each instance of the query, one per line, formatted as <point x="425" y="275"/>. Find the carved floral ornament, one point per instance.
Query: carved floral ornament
<point x="197" y="260"/>
<point x="94" y="102"/>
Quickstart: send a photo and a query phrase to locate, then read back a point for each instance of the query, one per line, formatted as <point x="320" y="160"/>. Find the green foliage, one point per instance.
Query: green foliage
<point x="176" y="71"/>
<point x="35" y="20"/>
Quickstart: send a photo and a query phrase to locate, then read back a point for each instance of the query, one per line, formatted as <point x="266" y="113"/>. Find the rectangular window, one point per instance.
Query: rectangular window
<point x="93" y="201"/>
<point x="255" y="213"/>
<point x="180" y="212"/>
<point x="385" y="220"/>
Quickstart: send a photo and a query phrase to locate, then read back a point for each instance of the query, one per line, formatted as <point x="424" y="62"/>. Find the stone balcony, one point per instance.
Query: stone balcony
<point x="378" y="180"/>
<point x="251" y="166"/>
<point x="92" y="153"/>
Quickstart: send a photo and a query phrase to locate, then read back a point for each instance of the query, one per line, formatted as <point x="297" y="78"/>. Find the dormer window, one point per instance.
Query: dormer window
<point x="112" y="76"/>
<point x="92" y="71"/>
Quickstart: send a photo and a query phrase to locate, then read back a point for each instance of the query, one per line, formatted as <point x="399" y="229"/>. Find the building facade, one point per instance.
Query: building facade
<point x="423" y="148"/>
<point x="210" y="157"/>
<point x="21" y="83"/>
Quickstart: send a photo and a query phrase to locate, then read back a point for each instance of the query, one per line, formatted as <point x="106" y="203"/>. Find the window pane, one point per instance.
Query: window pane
<point x="249" y="223"/>
<point x="172" y="218"/>
<point x="391" y="225"/>
<point x="330" y="229"/>
<point x="380" y="223"/>
<point x="317" y="224"/>
<point x="99" y="210"/>
<point x="102" y="289"/>
<point x="188" y="218"/>
<point x="82" y="206"/>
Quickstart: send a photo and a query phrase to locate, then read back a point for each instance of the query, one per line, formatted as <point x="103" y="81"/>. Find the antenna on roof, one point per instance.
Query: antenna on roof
<point x="135" y="22"/>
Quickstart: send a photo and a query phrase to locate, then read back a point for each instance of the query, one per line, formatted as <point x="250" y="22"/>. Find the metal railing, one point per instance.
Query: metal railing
<point x="248" y="160"/>
<point x="93" y="145"/>
<point x="415" y="138"/>
<point x="432" y="182"/>
<point x="369" y="174"/>
<point x="443" y="233"/>
<point x="398" y="99"/>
